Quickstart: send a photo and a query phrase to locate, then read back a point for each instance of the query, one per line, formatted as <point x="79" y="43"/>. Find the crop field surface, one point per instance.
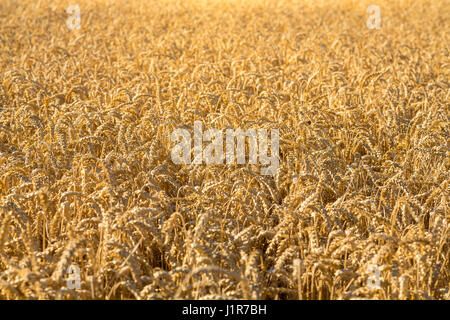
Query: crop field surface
<point x="93" y="205"/>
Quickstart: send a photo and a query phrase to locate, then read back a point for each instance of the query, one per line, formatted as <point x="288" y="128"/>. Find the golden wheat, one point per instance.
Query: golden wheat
<point x="86" y="177"/>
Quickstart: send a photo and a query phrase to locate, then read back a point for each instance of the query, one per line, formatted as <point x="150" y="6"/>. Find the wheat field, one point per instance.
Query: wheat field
<point x="87" y="180"/>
